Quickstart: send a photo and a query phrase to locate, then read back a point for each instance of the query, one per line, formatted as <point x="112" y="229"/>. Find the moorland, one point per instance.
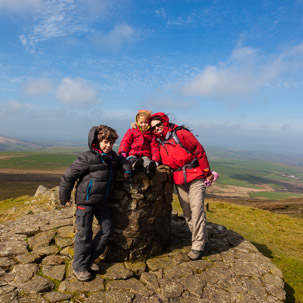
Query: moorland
<point x="262" y="201"/>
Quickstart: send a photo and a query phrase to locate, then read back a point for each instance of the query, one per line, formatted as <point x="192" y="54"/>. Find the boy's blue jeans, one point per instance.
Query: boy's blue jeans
<point x="87" y="249"/>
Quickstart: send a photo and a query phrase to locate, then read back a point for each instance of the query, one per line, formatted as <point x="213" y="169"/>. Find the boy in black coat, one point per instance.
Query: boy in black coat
<point x="95" y="171"/>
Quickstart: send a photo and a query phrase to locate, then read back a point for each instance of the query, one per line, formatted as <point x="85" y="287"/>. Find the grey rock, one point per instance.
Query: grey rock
<point x="53" y="260"/>
<point x="11" y="297"/>
<point x="45" y="250"/>
<point x="6" y="289"/>
<point x="24" y="272"/>
<point x="6" y="262"/>
<point x="111" y="297"/>
<point x="170" y="289"/>
<point x="62" y="242"/>
<point x="41" y="190"/>
<point x="195" y="285"/>
<point x="157" y="263"/>
<point x="132" y="285"/>
<point x="150" y="280"/>
<point x="28" y="258"/>
<point x="137" y="267"/>
<point x="54" y="271"/>
<point x="276" y="291"/>
<point x="37" y="285"/>
<point x="32" y="298"/>
<point x="118" y="271"/>
<point x="177" y="271"/>
<point x="54" y="296"/>
<point x="12" y="248"/>
<point x="66" y="232"/>
<point x="71" y="285"/>
<point x="42" y="239"/>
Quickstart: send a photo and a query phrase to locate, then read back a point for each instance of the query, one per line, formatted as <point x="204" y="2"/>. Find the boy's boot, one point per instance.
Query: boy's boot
<point x="82" y="276"/>
<point x="151" y="168"/>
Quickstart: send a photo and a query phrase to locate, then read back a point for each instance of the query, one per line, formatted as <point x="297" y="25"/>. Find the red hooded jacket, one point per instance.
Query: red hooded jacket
<point x="139" y="144"/>
<point x="175" y="156"/>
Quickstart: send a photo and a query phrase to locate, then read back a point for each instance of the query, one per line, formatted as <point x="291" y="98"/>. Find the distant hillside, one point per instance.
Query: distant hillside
<point x="283" y="158"/>
<point x="11" y="144"/>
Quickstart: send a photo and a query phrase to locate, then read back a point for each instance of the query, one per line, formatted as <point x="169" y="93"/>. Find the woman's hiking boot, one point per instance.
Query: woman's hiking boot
<point x="94" y="267"/>
<point x="195" y="254"/>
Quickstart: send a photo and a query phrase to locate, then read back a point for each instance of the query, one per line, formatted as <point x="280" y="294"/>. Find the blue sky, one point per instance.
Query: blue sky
<point x="231" y="70"/>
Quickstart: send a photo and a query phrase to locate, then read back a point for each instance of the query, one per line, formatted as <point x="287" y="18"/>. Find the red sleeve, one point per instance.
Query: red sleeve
<point x="189" y="141"/>
<point x="126" y="142"/>
<point x="155" y="149"/>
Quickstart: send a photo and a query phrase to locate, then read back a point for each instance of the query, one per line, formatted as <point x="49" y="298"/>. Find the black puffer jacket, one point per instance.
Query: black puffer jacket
<point x="95" y="172"/>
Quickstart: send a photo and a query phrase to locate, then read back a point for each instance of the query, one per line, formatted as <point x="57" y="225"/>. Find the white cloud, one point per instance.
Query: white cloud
<point x="63" y="123"/>
<point x="118" y="36"/>
<point x="60" y="18"/>
<point x="11" y="106"/>
<point x="38" y="86"/>
<point x="77" y="91"/>
<point x="161" y="13"/>
<point x="19" y="6"/>
<point x="244" y="73"/>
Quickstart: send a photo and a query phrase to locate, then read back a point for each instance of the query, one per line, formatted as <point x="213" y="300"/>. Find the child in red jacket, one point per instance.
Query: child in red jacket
<point x="139" y="146"/>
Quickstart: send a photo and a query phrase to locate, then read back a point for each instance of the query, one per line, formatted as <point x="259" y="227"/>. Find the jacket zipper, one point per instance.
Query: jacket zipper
<point x="108" y="184"/>
<point x="89" y="189"/>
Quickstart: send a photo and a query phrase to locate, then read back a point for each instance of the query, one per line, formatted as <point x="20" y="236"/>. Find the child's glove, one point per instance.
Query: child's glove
<point x="208" y="183"/>
<point x="127" y="175"/>
<point x="131" y="157"/>
<point x="123" y="154"/>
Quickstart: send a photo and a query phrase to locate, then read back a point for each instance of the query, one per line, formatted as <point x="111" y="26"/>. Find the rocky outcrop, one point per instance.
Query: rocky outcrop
<point x="36" y="253"/>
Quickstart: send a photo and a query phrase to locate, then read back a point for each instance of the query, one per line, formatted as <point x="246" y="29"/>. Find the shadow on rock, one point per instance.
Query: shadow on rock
<point x="219" y="238"/>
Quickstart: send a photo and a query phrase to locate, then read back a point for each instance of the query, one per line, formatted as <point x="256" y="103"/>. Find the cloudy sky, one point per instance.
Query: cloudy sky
<point x="230" y="70"/>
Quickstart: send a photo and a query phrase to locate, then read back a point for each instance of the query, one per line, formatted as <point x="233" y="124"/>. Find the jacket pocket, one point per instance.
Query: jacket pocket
<point x="80" y="216"/>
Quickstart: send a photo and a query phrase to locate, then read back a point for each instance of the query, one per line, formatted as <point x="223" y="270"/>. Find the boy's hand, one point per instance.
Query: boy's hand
<point x="65" y="204"/>
<point x="126" y="176"/>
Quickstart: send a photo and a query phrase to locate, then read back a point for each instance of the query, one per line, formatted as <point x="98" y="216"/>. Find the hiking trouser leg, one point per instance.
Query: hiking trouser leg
<point x="83" y="239"/>
<point x="192" y="198"/>
<point x="100" y="240"/>
<point x="182" y="191"/>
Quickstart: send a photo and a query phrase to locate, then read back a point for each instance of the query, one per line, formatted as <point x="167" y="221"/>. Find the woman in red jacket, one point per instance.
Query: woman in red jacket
<point x="182" y="152"/>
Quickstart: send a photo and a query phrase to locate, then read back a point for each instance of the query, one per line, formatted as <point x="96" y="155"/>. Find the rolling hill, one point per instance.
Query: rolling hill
<point x="11" y="144"/>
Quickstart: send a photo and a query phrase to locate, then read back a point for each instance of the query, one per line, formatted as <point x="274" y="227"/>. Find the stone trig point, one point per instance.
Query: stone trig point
<point x="146" y="260"/>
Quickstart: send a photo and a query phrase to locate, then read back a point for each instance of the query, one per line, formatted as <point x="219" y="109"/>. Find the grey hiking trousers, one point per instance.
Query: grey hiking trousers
<point x="191" y="198"/>
<point x="87" y="249"/>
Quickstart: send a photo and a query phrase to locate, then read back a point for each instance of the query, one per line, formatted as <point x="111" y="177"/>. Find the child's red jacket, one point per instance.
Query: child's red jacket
<point x="138" y="143"/>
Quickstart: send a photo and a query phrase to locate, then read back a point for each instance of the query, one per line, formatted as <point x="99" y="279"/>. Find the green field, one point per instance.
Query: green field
<point x="285" y="181"/>
<point x="41" y="160"/>
<point x="253" y="174"/>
